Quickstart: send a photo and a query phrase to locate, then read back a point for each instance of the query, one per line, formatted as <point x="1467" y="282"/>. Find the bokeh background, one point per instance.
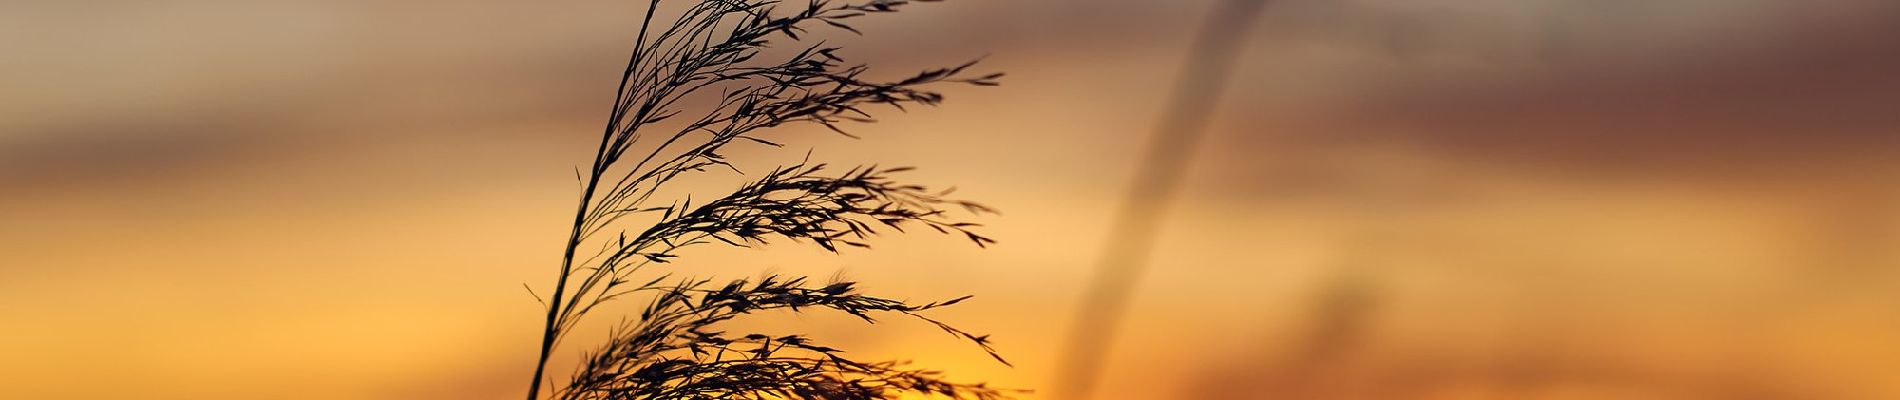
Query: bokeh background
<point x="1435" y="199"/>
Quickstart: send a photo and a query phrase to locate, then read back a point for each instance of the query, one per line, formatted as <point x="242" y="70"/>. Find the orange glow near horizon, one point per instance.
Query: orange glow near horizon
<point x="1549" y="199"/>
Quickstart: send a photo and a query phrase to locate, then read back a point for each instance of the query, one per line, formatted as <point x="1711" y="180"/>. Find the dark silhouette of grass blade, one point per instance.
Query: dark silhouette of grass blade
<point x="713" y="53"/>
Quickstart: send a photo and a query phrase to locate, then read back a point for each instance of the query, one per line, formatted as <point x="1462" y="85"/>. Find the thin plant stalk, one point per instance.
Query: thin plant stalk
<point x="672" y="349"/>
<point x="1132" y="235"/>
<point x="549" y="330"/>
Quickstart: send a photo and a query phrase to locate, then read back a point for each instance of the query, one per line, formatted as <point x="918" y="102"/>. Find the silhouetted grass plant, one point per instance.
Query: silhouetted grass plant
<point x="674" y="350"/>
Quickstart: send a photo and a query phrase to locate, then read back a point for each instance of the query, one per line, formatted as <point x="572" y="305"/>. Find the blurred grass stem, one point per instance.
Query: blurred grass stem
<point x="1137" y="224"/>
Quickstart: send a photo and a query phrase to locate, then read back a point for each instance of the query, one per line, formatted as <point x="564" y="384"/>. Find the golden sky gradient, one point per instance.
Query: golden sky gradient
<point x="1435" y="199"/>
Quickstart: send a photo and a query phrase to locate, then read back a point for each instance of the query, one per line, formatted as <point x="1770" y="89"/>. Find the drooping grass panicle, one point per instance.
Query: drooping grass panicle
<point x="795" y="203"/>
<point x="691" y="87"/>
<point x="672" y="351"/>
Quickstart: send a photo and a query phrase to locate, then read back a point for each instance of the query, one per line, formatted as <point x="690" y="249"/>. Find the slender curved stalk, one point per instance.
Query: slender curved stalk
<point x="551" y="331"/>
<point x="1131" y="238"/>
<point x="670" y="351"/>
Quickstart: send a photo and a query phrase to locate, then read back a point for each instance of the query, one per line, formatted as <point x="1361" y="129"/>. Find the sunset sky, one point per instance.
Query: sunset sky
<point x="1431" y="199"/>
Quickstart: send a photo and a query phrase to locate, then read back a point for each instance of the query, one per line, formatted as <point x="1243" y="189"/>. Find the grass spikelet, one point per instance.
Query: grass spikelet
<point x="714" y="53"/>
